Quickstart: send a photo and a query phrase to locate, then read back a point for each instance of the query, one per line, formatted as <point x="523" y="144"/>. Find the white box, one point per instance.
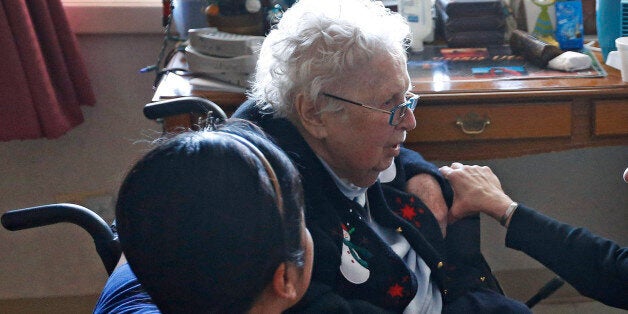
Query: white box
<point x="202" y="63"/>
<point x="211" y="41"/>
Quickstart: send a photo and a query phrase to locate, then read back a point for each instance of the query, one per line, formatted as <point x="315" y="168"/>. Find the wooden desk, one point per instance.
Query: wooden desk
<point x="523" y="116"/>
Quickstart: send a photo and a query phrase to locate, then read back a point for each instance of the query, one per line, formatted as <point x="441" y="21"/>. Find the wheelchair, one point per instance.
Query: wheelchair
<point x="104" y="236"/>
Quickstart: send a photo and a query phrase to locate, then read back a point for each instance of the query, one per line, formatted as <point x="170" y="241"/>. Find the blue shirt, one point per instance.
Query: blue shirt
<point x="124" y="294"/>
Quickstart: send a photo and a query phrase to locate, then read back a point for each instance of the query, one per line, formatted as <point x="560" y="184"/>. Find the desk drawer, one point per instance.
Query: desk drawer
<point x="479" y="122"/>
<point x="611" y="117"/>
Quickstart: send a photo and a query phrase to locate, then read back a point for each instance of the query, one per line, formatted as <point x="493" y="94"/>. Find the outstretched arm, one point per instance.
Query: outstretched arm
<point x="595" y="266"/>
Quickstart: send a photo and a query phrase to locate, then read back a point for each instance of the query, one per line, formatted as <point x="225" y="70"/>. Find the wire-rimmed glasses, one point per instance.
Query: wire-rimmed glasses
<point x="397" y="114"/>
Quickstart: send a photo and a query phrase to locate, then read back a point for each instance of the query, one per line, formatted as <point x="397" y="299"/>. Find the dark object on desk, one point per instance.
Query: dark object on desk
<point x="474" y="38"/>
<point x="472" y="8"/>
<point x="243" y="24"/>
<point x="476" y="23"/>
<point x="533" y="49"/>
<point x="471" y="23"/>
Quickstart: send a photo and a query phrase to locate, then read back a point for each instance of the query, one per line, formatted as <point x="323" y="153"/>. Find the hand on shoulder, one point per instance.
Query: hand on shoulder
<point x="476" y="190"/>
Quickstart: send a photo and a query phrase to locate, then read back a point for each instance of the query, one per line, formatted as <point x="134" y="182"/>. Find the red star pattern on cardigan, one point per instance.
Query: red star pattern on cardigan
<point x="398" y="200"/>
<point x="408" y="212"/>
<point x="395" y="291"/>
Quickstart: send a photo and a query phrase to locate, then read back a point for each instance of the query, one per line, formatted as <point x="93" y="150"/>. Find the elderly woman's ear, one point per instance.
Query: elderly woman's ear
<point x="308" y="116"/>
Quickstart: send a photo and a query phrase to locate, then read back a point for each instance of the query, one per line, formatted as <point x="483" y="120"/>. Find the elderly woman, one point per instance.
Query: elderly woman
<point x="332" y="88"/>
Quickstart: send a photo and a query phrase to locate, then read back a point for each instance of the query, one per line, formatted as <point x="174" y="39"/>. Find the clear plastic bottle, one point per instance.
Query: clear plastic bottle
<point x="418" y="14"/>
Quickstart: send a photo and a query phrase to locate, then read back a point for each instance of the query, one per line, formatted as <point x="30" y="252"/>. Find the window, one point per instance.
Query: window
<point x="114" y="16"/>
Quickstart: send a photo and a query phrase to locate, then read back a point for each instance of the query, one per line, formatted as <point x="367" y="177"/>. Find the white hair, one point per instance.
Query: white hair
<point x="316" y="41"/>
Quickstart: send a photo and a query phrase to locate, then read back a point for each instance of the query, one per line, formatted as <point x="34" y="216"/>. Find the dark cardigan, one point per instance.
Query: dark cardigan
<point x="456" y="263"/>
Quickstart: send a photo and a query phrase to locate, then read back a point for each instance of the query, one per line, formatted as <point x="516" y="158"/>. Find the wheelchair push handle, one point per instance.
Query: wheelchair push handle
<point x="106" y="241"/>
<point x="182" y="105"/>
<point x="44" y="215"/>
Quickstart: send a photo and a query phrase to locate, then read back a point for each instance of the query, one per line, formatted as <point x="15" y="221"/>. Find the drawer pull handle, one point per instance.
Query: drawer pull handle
<point x="472" y="123"/>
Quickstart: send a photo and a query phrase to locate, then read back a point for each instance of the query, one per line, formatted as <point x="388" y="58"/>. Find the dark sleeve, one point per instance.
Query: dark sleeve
<point x="595" y="266"/>
<point x="123" y="294"/>
<point x="413" y="163"/>
<point x="410" y="163"/>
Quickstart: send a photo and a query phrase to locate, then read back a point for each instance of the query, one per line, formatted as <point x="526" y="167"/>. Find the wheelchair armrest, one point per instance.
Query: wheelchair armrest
<point x="105" y="240"/>
<point x="182" y="105"/>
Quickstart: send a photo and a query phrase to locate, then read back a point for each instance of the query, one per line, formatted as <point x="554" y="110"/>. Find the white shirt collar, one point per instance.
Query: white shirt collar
<point x="355" y="192"/>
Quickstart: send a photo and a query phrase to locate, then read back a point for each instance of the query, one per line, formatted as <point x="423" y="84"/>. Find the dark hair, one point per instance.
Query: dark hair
<point x="200" y="219"/>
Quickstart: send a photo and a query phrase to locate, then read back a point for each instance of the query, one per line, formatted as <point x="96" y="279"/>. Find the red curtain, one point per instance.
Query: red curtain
<point x="43" y="79"/>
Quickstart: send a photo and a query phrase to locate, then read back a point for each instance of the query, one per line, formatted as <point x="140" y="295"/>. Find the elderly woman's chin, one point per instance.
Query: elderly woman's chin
<point x="377" y="170"/>
<point x="395" y="150"/>
<point x="366" y="178"/>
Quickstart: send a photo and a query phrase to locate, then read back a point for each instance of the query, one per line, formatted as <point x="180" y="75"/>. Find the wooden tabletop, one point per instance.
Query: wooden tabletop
<point x="173" y="85"/>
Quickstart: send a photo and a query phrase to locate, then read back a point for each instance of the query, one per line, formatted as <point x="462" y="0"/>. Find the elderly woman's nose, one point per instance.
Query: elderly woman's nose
<point x="409" y="122"/>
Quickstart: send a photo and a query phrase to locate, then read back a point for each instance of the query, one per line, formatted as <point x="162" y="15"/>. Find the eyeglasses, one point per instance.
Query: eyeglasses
<point x="397" y="114"/>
